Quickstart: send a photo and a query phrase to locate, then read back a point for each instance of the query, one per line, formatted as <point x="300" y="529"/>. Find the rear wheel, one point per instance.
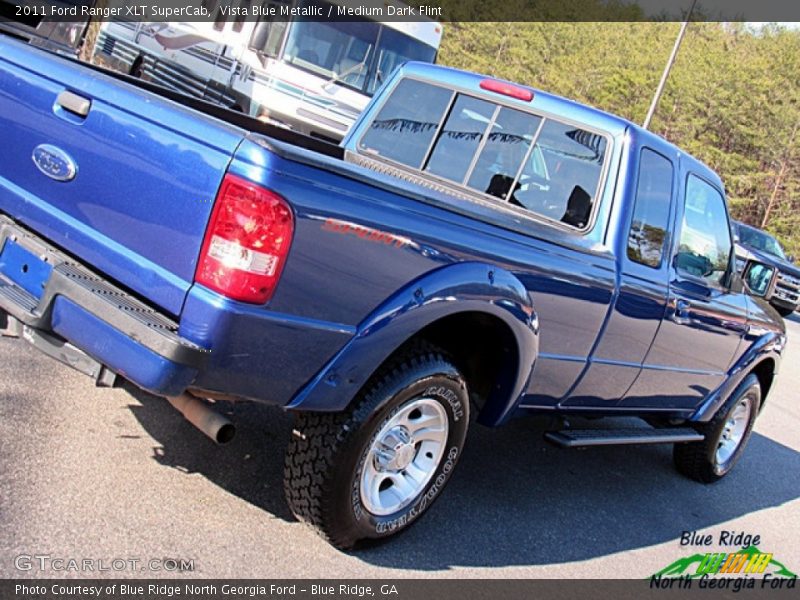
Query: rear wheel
<point x="726" y="436"/>
<point x="373" y="470"/>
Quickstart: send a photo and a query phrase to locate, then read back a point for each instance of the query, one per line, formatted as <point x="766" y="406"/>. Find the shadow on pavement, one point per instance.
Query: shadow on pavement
<point x="250" y="467"/>
<point x="517" y="501"/>
<point x="514" y="500"/>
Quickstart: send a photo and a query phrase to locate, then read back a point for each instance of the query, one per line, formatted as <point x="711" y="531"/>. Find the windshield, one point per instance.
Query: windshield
<point x="760" y="240"/>
<point x="357" y="54"/>
<point x="338" y="51"/>
<point x="394" y="49"/>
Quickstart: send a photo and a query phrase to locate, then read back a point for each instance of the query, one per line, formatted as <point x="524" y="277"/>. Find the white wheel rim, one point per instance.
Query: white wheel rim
<point x="733" y="432"/>
<point x="403" y="456"/>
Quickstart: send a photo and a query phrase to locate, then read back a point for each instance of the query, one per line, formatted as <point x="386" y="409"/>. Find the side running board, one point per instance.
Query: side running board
<point x="573" y="438"/>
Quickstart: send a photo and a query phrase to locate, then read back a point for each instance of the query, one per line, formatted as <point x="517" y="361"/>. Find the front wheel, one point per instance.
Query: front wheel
<point x="726" y="436"/>
<point x="373" y="470"/>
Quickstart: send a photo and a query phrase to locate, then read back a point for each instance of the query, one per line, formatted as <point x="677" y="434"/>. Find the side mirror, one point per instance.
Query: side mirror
<point x="759" y="279"/>
<point x="790" y="258"/>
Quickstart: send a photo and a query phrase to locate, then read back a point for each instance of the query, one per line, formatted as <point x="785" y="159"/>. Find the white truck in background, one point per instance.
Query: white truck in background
<point x="312" y="76"/>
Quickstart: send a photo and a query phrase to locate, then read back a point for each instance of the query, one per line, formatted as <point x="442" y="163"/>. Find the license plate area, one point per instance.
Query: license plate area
<point x="24" y="268"/>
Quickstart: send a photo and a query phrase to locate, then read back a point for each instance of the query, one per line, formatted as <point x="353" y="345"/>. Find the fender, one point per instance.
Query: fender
<point x="767" y="344"/>
<point x="449" y="290"/>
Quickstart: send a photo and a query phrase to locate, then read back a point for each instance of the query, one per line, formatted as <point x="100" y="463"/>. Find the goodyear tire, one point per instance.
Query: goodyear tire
<point x="372" y="471"/>
<point x="726" y="434"/>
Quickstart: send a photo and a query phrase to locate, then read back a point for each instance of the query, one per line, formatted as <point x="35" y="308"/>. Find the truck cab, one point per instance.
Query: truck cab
<point x="638" y="206"/>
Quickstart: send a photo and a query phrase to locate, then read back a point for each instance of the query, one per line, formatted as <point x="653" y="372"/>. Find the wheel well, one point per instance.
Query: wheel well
<point x="765" y="371"/>
<point x="484" y="350"/>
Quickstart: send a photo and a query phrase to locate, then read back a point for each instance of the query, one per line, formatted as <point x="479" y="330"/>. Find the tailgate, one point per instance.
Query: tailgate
<point x="146" y="171"/>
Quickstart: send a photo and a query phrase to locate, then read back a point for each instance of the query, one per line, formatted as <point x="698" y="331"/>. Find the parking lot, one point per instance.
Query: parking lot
<point x="101" y="474"/>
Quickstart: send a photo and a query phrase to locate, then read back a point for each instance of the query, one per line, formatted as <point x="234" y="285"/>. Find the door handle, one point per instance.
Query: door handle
<point x="73" y="103"/>
<point x="680" y="313"/>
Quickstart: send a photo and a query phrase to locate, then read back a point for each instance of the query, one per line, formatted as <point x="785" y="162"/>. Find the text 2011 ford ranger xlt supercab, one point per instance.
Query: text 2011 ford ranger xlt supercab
<point x="473" y="249"/>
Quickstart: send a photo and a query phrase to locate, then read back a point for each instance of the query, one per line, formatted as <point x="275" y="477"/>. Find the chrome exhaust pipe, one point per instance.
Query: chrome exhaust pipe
<point x="205" y="418"/>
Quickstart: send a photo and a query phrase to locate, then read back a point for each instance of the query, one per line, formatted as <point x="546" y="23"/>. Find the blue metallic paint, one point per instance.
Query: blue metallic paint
<point x="23" y="268"/>
<point x="640" y="299"/>
<point x="691" y="354"/>
<point x="120" y="352"/>
<point x="455" y="289"/>
<point x="148" y="172"/>
<point x="573" y="290"/>
<point x="763" y="341"/>
<point x="256" y="353"/>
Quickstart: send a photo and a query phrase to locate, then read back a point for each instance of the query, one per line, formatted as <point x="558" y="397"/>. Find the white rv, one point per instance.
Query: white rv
<point x="314" y="76"/>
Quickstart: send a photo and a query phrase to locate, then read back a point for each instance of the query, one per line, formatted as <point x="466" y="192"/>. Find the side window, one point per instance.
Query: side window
<point x="651" y="209"/>
<point x="407" y="123"/>
<point x="705" y="242"/>
<point x="561" y="177"/>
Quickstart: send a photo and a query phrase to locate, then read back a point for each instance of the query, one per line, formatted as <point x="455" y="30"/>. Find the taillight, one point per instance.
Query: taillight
<point x="246" y="242"/>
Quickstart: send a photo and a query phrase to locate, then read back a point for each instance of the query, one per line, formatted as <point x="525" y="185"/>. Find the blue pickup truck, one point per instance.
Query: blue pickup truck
<point x="474" y="250"/>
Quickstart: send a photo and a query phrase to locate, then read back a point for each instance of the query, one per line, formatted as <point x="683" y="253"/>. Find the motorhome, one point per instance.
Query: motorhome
<point x="308" y="74"/>
<point x="45" y="25"/>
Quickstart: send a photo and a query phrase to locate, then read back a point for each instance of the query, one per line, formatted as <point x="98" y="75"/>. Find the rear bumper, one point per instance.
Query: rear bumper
<point x="50" y="293"/>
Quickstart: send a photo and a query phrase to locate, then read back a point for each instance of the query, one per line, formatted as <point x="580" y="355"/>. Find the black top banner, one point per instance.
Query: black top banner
<point x="33" y="11"/>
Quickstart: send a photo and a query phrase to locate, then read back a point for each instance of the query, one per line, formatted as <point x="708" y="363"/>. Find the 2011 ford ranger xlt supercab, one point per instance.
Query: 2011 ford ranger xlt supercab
<point x="473" y="250"/>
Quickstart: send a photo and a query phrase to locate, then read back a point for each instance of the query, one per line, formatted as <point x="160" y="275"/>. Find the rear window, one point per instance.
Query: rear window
<point x="541" y="165"/>
<point x="460" y="138"/>
<point x="407" y="123"/>
<point x="560" y="180"/>
<point x="507" y="145"/>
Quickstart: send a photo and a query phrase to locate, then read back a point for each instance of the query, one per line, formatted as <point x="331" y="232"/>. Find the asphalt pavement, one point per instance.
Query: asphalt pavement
<point x="105" y="475"/>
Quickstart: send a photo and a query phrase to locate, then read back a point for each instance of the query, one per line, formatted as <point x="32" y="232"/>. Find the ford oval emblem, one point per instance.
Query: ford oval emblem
<point x="54" y="162"/>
